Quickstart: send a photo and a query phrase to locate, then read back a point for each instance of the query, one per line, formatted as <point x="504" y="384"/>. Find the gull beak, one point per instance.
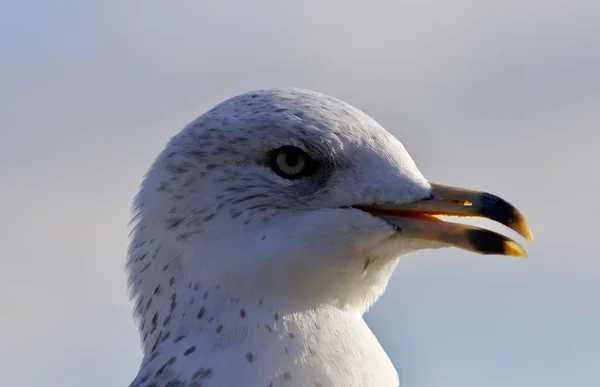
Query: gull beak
<point x="420" y="220"/>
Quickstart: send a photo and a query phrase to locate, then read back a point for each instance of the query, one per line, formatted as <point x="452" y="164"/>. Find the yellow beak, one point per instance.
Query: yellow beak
<point x="420" y="220"/>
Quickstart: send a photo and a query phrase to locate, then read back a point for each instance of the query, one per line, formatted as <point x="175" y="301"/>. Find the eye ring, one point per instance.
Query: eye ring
<point x="291" y="162"/>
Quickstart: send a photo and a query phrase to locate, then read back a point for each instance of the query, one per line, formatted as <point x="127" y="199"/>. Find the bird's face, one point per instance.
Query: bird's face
<point x="295" y="194"/>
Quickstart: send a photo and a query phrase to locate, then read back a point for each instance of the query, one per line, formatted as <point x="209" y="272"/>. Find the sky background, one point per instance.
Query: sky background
<point x="501" y="96"/>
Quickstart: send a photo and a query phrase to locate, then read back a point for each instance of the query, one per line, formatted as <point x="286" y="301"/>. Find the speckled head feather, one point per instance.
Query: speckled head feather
<point x="245" y="277"/>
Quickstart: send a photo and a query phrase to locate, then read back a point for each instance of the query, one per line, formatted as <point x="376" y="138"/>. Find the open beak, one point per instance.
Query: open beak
<point x="420" y="220"/>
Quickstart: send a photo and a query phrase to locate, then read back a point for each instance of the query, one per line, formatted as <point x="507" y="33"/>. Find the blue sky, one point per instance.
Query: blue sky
<point x="499" y="97"/>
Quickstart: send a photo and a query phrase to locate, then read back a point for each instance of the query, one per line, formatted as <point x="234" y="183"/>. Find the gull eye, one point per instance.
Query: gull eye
<point x="291" y="162"/>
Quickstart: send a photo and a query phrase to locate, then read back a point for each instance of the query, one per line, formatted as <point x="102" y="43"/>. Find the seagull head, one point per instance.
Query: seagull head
<point x="295" y="195"/>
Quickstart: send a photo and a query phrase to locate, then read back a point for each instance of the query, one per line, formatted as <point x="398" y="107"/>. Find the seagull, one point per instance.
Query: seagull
<point x="268" y="226"/>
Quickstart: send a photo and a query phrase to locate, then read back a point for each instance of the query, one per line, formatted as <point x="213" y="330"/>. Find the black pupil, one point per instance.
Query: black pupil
<point x="292" y="158"/>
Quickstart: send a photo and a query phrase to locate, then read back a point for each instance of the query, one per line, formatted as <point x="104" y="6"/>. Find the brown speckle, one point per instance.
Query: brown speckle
<point x="202" y="373"/>
<point x="154" y="322"/>
<point x="157" y="341"/>
<point x="208" y="218"/>
<point x="168" y="363"/>
<point x="174" y="223"/>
